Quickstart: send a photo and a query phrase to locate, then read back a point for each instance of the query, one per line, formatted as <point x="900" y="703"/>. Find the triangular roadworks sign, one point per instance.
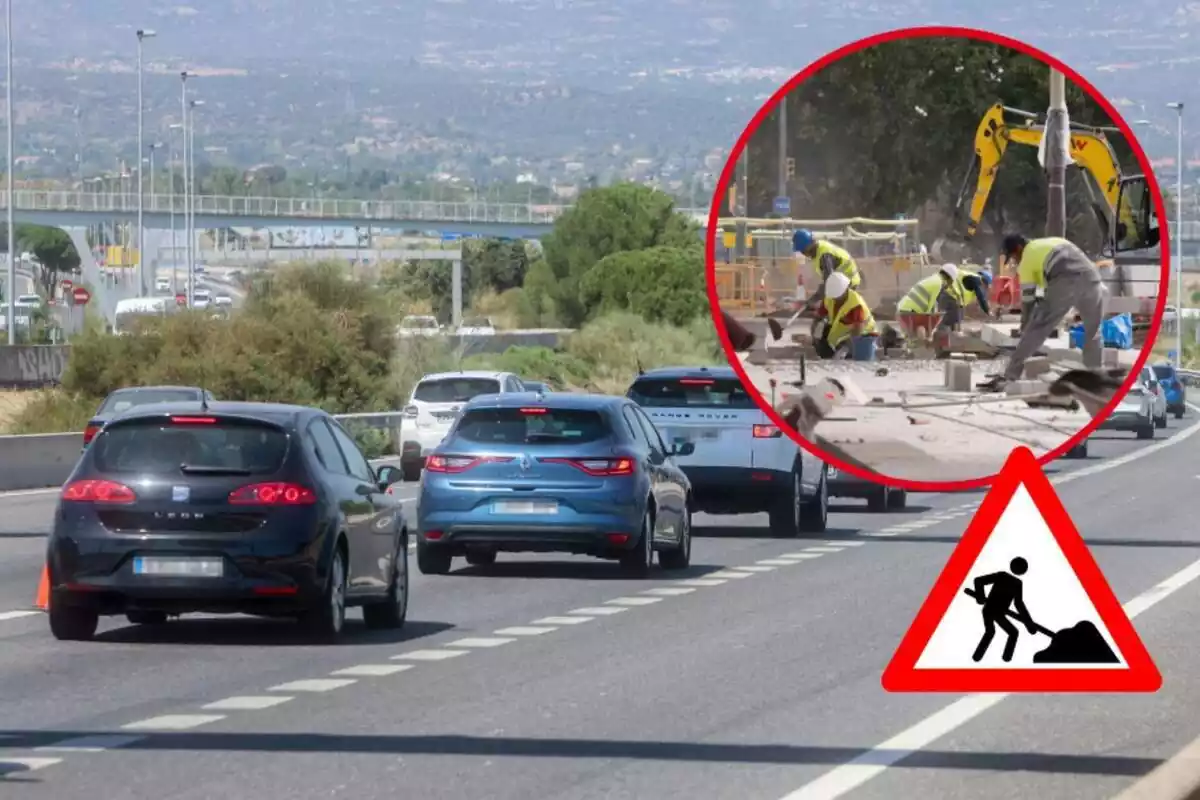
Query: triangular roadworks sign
<point x="1070" y="632"/>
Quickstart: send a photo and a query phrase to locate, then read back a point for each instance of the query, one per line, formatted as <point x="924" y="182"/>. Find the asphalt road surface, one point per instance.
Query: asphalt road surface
<point x="753" y="677"/>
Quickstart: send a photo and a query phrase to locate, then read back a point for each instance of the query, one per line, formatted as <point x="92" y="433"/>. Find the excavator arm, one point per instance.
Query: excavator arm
<point x="1089" y="150"/>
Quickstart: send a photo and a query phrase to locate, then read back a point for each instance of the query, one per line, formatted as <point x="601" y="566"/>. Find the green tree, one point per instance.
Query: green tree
<point x="52" y="247"/>
<point x="612" y="219"/>
<point x="660" y="284"/>
<point x="497" y="264"/>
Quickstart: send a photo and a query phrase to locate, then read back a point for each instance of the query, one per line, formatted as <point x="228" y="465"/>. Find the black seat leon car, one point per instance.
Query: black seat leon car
<point x="226" y="508"/>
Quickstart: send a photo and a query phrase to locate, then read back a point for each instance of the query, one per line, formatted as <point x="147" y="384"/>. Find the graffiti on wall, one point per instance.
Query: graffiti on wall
<point x="31" y="366"/>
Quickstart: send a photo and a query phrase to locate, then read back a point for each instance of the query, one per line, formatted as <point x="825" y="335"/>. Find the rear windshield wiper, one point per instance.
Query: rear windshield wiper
<point x="200" y="469"/>
<point x="547" y="437"/>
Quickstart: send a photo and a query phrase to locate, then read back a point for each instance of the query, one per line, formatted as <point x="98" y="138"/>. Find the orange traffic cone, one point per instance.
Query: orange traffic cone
<point x="42" y="601"/>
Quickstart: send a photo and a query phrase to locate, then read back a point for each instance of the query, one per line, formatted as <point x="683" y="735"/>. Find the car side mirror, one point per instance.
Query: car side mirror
<point x="386" y="476"/>
<point x="683" y="448"/>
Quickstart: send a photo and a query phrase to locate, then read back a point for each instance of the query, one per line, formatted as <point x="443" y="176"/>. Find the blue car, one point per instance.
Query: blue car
<point x="1173" y="389"/>
<point x="564" y="473"/>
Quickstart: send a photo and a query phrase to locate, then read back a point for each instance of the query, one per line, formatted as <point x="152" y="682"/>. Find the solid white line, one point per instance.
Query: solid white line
<point x="778" y="562"/>
<point x="598" y="611"/>
<point x="525" y="630"/>
<point x="482" y="641"/>
<point x="701" y="582"/>
<point x="853" y="774"/>
<point x="430" y="655"/>
<point x="173" y="722"/>
<point x="669" y="591"/>
<point x="10" y="765"/>
<point x="312" y="685"/>
<point x="246" y="703"/>
<point x="633" y="601"/>
<point x="562" y="620"/>
<point x="6" y="615"/>
<point x="96" y="743"/>
<point x="372" y="670"/>
<point x="28" y="492"/>
<point x="728" y="573"/>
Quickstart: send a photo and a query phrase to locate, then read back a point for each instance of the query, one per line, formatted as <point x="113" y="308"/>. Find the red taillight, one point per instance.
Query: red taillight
<point x="433" y="535"/>
<point x="767" y="432"/>
<point x="618" y="538"/>
<point x="696" y="381"/>
<point x="276" y="591"/>
<point x="599" y="467"/>
<point x="94" y="491"/>
<point x="90" y="432"/>
<point x="461" y="463"/>
<point x="193" y="420"/>
<point x="533" y="411"/>
<point x="273" y="494"/>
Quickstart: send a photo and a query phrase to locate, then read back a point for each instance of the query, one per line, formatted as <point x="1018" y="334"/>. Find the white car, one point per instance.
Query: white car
<point x="1158" y="397"/>
<point x="477" y="326"/>
<point x="418" y="326"/>
<point x="434" y="405"/>
<point x="201" y="298"/>
<point x="223" y="301"/>
<point x="162" y="285"/>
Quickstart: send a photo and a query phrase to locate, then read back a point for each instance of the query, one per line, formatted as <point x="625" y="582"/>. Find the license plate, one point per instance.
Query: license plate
<point x="180" y="567"/>
<point x="445" y="417"/>
<point x="524" y="507"/>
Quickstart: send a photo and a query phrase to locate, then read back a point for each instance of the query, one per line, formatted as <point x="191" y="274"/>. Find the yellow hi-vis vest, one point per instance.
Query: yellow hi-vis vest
<point x="1032" y="269"/>
<point x="845" y="262"/>
<point x="839" y="329"/>
<point x="922" y="297"/>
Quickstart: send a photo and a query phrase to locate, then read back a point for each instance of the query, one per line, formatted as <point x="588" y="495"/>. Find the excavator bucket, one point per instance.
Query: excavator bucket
<point x="1092" y="388"/>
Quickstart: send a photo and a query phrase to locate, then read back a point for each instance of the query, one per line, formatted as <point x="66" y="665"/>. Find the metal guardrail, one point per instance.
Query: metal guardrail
<point x="293" y="207"/>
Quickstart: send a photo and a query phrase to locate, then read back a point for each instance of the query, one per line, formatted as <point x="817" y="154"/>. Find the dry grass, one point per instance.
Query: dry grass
<point x="12" y="403"/>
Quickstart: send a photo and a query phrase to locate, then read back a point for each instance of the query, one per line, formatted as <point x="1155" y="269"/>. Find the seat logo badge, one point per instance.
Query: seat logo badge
<point x="526" y="462"/>
<point x="180" y="494"/>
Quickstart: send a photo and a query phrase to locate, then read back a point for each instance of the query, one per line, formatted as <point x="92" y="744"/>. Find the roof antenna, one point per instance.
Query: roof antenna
<point x="203" y="399"/>
<point x="641" y="370"/>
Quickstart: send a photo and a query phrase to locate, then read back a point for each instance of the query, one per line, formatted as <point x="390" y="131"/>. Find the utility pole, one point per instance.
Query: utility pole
<point x="1179" y="298"/>
<point x="142" y="35"/>
<point x="12" y="228"/>
<point x="743" y="167"/>
<point x="1056" y="145"/>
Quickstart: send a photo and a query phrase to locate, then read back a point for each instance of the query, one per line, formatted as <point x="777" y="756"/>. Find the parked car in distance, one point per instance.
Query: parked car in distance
<point x="412" y="326"/>
<point x="477" y="326"/>
<point x="223" y="301"/>
<point x="434" y="405"/>
<point x="253" y="508"/>
<point x="1174" y="392"/>
<point x="570" y="473"/>
<point x="122" y="400"/>
<point x="741" y="463"/>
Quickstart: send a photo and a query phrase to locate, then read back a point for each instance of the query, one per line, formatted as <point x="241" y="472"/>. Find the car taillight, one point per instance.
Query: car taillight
<point x="97" y="491"/>
<point x="272" y="494"/>
<point x="696" y="381"/>
<point x="90" y="432"/>
<point x="193" y="420"/>
<point x="767" y="432"/>
<point x="461" y="463"/>
<point x="410" y="412"/>
<point x="599" y="467"/>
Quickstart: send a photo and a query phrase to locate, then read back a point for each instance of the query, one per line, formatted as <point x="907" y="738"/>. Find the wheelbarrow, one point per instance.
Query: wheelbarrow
<point x="1082" y="643"/>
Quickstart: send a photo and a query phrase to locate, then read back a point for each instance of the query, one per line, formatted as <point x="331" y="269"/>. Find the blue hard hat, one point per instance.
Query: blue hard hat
<point x="802" y="240"/>
<point x="986" y="277"/>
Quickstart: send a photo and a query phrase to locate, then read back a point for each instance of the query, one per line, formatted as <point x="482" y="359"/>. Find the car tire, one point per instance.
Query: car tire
<point x="1146" y="431"/>
<point x="1179" y="413"/>
<point x="481" y="558"/>
<point x="72" y="623"/>
<point x="1161" y="422"/>
<point x="411" y="471"/>
<point x="1078" y="451"/>
<point x="877" y="502"/>
<point x="814" y="513"/>
<point x="680" y="557"/>
<point x="147" y="617"/>
<point x="391" y="613"/>
<point x="784" y="514"/>
<point x="325" y="621"/>
<point x="897" y="499"/>
<point x="640" y="559"/>
<point x="433" y="560"/>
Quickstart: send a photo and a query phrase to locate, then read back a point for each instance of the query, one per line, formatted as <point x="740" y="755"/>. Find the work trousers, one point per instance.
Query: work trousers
<point x="1065" y="289"/>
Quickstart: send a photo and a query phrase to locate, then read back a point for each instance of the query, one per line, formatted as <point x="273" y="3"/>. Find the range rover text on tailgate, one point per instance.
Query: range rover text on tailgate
<point x="742" y="463"/>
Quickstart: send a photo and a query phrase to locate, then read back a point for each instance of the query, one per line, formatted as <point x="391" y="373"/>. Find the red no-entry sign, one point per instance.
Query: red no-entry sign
<point x="80" y="296"/>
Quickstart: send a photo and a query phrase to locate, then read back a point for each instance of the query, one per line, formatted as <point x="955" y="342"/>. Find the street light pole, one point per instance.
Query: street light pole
<point x="183" y="106"/>
<point x="190" y="139"/>
<point x="1178" y="238"/>
<point x="12" y="228"/>
<point x="142" y="35"/>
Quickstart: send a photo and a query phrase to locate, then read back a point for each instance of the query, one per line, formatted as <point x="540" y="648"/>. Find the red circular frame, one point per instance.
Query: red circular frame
<point x="929" y="31"/>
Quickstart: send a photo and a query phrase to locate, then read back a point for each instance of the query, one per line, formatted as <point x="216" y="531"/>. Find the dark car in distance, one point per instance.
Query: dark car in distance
<point x="121" y="400"/>
<point x="249" y="508"/>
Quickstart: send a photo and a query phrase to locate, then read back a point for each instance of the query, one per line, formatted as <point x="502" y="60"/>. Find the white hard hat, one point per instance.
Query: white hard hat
<point x="949" y="270"/>
<point x="836" y="285"/>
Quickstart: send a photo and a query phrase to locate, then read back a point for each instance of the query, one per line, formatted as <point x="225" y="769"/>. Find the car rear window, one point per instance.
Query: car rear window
<point x="1164" y="372"/>
<point x="157" y="447"/>
<point x="693" y="392"/>
<point x="454" y="390"/>
<point x="537" y="425"/>
<point x="116" y="403"/>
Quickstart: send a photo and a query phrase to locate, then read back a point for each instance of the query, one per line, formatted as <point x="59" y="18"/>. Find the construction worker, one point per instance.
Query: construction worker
<point x="827" y="259"/>
<point x="1068" y="279"/>
<point x="950" y="290"/>
<point x="848" y="325"/>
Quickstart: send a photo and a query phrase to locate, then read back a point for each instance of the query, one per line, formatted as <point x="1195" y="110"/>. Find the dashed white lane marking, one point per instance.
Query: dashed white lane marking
<point x="797" y="557"/>
<point x="525" y="630"/>
<point x="669" y="591"/>
<point x="702" y="582"/>
<point x="173" y="722"/>
<point x="482" y="641"/>
<point x="882" y="534"/>
<point x="562" y="620"/>
<point x="247" y="703"/>
<point x="371" y="670"/>
<point x="752" y="568"/>
<point x="728" y="573"/>
<point x="633" y="601"/>
<point x="430" y="655"/>
<point x="778" y="562"/>
<point x="598" y="611"/>
<point x="843" y="543"/>
<point x="822" y="549"/>
<point x="312" y="685"/>
<point x="97" y="743"/>
<point x="10" y="765"/>
<point x="7" y="615"/>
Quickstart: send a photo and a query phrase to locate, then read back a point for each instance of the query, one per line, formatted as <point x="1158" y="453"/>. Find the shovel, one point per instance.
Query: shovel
<point x="1081" y="643"/>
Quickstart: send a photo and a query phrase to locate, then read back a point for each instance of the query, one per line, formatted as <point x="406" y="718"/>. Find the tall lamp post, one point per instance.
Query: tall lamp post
<point x="189" y="136"/>
<point x="1179" y="299"/>
<point x="12" y="229"/>
<point x="171" y="202"/>
<point x="183" y="107"/>
<point x="142" y="35"/>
